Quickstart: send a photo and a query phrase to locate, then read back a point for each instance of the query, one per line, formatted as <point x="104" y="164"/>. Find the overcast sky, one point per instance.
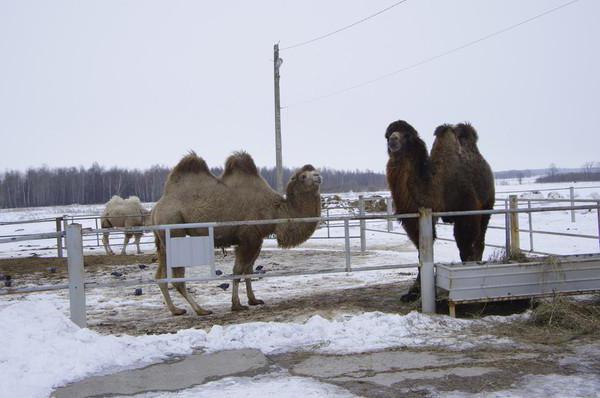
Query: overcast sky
<point x="137" y="83"/>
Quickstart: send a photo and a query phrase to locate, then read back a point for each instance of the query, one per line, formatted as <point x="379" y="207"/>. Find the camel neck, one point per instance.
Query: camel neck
<point x="293" y="234"/>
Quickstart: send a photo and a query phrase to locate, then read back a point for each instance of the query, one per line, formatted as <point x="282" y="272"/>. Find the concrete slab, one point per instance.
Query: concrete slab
<point x="172" y="376"/>
<point x="388" y="379"/>
<point x="326" y="366"/>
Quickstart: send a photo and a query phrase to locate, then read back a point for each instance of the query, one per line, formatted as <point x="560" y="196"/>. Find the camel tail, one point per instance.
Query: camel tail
<point x="466" y="133"/>
<point x="190" y="164"/>
<point x="240" y="161"/>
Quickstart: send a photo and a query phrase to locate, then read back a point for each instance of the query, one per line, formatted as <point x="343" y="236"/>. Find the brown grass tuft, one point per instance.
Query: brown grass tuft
<point x="567" y="314"/>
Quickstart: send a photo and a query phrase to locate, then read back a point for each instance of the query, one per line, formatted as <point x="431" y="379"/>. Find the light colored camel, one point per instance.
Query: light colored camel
<point x="192" y="194"/>
<point x="123" y="213"/>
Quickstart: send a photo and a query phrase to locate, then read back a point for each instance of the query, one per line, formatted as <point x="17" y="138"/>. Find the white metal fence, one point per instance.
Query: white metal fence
<point x="75" y="238"/>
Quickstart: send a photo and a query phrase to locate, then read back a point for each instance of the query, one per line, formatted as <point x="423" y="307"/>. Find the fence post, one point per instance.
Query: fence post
<point x="59" y="238"/>
<point x="572" y="195"/>
<point x="328" y="222"/>
<point x="97" y="234"/>
<point x="76" y="275"/>
<point x="598" y="213"/>
<point x="506" y="230"/>
<point x="530" y="226"/>
<point x="515" y="241"/>
<point x="347" y="245"/>
<point x="426" y="261"/>
<point x="65" y="224"/>
<point x="361" y="212"/>
<point x="390" y="211"/>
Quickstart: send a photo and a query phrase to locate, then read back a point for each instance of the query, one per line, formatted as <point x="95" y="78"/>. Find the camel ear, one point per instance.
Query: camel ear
<point x="294" y="178"/>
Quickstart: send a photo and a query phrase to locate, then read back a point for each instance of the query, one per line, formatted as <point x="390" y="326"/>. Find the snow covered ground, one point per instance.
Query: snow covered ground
<point x="42" y="349"/>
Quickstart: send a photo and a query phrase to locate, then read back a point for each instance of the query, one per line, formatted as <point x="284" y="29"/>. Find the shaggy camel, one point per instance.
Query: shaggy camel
<point x="192" y="194"/>
<point x="455" y="177"/>
<point x="122" y="213"/>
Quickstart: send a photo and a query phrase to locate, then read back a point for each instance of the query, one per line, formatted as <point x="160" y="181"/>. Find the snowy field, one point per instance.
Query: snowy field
<point x="43" y="350"/>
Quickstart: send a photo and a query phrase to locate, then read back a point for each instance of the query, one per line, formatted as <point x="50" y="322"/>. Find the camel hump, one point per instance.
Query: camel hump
<point x="444" y="128"/>
<point x="114" y="199"/>
<point x="240" y="161"/>
<point x="133" y="199"/>
<point x="190" y="164"/>
<point x="466" y="133"/>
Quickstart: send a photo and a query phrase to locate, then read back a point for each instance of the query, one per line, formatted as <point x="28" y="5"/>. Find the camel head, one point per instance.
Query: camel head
<point x="400" y="135"/>
<point x="305" y="180"/>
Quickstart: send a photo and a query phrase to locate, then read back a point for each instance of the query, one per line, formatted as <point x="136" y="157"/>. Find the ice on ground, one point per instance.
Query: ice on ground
<point x="43" y="349"/>
<point x="537" y="386"/>
<point x="274" y="385"/>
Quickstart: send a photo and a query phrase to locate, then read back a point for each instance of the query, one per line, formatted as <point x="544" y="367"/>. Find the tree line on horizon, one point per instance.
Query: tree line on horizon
<point x="45" y="186"/>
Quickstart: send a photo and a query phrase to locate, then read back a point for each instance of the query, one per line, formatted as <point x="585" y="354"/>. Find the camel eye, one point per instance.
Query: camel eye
<point x="303" y="177"/>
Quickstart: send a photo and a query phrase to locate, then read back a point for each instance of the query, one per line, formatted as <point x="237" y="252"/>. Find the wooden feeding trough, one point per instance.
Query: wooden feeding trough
<point x="472" y="282"/>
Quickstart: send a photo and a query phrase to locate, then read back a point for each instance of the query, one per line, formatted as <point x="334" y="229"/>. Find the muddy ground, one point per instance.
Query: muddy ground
<point x="154" y="318"/>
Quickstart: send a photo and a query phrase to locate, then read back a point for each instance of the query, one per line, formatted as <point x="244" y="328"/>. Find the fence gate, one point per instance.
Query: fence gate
<point x="191" y="251"/>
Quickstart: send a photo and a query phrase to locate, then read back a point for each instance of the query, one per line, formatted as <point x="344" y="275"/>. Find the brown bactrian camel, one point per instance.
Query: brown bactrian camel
<point x="124" y="213"/>
<point x="454" y="177"/>
<point x="192" y="194"/>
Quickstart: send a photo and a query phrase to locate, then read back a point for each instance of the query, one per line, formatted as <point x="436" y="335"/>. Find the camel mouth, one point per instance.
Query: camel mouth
<point x="394" y="142"/>
<point x="317" y="179"/>
<point x="394" y="145"/>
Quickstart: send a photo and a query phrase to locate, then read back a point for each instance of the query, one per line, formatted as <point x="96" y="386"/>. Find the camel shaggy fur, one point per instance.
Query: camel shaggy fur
<point x="454" y="177"/>
<point x="123" y="213"/>
<point x="192" y="194"/>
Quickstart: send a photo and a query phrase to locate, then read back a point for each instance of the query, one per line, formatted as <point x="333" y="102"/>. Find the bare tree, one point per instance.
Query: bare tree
<point x="588" y="168"/>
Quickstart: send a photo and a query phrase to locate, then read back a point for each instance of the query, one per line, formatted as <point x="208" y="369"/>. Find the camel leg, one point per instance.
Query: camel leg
<point x="106" y="243"/>
<point x="180" y="286"/>
<point x="161" y="273"/>
<point x="238" y="269"/>
<point x="125" y="243"/>
<point x="480" y="241"/>
<point x="245" y="253"/>
<point x="414" y="292"/>
<point x="252" y="300"/>
<point x="137" y="238"/>
<point x="466" y="232"/>
<point x="411" y="226"/>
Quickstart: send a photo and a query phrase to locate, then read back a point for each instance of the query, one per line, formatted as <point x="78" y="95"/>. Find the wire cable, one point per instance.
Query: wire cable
<point x="435" y="57"/>
<point x="303" y="43"/>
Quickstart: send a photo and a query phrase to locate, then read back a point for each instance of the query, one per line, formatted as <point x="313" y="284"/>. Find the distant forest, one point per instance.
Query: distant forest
<point x="71" y="185"/>
<point x="63" y="186"/>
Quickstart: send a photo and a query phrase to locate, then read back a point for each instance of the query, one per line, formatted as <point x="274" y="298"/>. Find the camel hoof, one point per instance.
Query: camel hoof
<point x="256" y="302"/>
<point x="203" y="312"/>
<point x="239" y="307"/>
<point x="178" y="311"/>
<point x="409" y="297"/>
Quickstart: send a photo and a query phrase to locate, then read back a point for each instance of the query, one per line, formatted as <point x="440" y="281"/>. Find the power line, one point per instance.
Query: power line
<point x="344" y="28"/>
<point x="433" y="58"/>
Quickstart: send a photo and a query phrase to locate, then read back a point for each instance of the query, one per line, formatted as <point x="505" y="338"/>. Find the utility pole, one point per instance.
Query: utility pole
<point x="278" y="160"/>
